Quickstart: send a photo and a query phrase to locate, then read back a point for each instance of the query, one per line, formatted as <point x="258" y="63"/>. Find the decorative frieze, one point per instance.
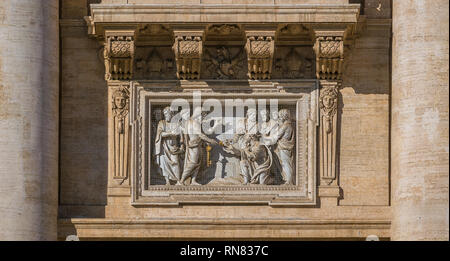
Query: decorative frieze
<point x="118" y="54"/>
<point x="329" y="49"/>
<point x="188" y="48"/>
<point x="260" y="47"/>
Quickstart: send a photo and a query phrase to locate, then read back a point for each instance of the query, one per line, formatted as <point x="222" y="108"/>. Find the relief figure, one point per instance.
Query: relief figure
<point x="168" y="147"/>
<point x="256" y="161"/>
<point x="284" y="147"/>
<point x="193" y="139"/>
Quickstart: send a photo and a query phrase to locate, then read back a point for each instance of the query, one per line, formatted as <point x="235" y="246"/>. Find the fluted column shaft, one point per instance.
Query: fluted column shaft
<point x="29" y="73"/>
<point x="420" y="140"/>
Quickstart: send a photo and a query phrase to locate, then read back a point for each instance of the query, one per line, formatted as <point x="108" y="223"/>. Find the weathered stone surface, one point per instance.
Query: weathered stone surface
<point x="28" y="119"/>
<point x="96" y="202"/>
<point x="420" y="102"/>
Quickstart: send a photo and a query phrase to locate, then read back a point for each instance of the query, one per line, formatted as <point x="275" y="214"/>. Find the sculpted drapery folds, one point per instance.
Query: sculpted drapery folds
<point x="120" y="133"/>
<point x="168" y="147"/>
<point x="284" y="149"/>
<point x="193" y="139"/>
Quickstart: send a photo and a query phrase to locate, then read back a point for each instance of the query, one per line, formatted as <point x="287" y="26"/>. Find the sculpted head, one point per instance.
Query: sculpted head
<point x="264" y="115"/>
<point x="167" y="113"/>
<point x="274" y="115"/>
<point x="284" y="115"/>
<point x="251" y="115"/>
<point x="328" y="101"/>
<point x="120" y="98"/>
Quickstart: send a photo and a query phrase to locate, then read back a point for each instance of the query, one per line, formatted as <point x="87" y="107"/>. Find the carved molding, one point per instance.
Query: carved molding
<point x="119" y="54"/>
<point x="260" y="47"/>
<point x="188" y="49"/>
<point x="329" y="49"/>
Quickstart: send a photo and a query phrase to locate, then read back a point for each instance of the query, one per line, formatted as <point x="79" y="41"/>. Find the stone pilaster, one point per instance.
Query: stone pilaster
<point x="29" y="74"/>
<point x="329" y="50"/>
<point x="420" y="120"/>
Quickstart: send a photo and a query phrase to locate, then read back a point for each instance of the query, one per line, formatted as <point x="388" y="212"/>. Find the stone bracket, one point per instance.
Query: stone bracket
<point x="188" y="49"/>
<point x="329" y="49"/>
<point x="119" y="54"/>
<point x="260" y="47"/>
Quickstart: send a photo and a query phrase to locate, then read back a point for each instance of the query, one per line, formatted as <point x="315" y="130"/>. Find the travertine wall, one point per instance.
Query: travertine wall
<point x="364" y="140"/>
<point x="29" y="73"/>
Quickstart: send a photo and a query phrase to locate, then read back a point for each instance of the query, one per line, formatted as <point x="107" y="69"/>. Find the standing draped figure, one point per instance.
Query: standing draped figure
<point x="168" y="148"/>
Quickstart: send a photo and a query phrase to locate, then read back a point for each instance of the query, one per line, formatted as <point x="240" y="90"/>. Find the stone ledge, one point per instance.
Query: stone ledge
<point x="222" y="228"/>
<point x="204" y="13"/>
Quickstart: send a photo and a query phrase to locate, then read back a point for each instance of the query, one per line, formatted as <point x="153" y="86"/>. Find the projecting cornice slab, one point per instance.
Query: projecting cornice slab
<point x="104" y="14"/>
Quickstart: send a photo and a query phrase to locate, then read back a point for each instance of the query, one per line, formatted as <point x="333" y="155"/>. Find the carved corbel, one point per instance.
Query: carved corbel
<point x="260" y="48"/>
<point x="119" y="55"/>
<point x="329" y="49"/>
<point x="119" y="133"/>
<point x="188" y="49"/>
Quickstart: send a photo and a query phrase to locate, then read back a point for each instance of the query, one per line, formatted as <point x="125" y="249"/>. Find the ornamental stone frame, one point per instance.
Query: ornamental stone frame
<point x="127" y="30"/>
<point x="301" y="94"/>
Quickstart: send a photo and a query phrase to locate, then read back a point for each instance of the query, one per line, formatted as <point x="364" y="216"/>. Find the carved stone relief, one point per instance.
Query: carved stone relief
<point x="154" y="63"/>
<point x="223" y="62"/>
<point x="293" y="29"/>
<point x="257" y="154"/>
<point x="328" y="103"/>
<point x="264" y="158"/>
<point x="224" y="29"/>
<point x="293" y="63"/>
<point x="120" y="138"/>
